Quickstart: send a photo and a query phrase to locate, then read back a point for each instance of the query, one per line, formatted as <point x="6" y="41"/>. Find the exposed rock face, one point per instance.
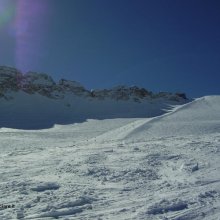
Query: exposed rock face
<point x="13" y="80"/>
<point x="122" y="93"/>
<point x="181" y="95"/>
<point x="38" y="82"/>
<point x="9" y="78"/>
<point x="73" y="86"/>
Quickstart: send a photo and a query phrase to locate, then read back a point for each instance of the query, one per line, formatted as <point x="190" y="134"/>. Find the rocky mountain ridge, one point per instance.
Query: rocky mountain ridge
<point x="14" y="80"/>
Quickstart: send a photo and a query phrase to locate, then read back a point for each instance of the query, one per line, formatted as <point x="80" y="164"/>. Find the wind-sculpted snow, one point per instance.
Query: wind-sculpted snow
<point x="201" y="116"/>
<point x="115" y="168"/>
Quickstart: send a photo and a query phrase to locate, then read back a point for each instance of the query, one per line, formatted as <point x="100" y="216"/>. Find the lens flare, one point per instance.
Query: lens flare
<point x="29" y="31"/>
<point x="6" y="12"/>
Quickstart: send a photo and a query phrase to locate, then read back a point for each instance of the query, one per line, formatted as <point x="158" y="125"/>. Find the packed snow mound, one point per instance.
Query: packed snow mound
<point x="201" y="116"/>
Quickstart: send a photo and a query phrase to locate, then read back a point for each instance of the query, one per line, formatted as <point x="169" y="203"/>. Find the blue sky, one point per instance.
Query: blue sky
<point x="171" y="45"/>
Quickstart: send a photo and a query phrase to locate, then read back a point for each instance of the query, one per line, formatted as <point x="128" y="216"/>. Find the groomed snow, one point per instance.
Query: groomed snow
<point x="165" y="167"/>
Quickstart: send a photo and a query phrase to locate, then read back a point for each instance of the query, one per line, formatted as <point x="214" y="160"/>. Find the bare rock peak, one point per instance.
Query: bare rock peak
<point x="12" y="79"/>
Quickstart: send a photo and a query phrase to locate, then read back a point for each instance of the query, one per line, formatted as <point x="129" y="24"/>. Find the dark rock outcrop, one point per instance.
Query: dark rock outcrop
<point x="12" y="79"/>
<point x="122" y="93"/>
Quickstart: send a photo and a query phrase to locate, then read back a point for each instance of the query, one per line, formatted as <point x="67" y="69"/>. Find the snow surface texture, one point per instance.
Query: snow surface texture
<point x="166" y="167"/>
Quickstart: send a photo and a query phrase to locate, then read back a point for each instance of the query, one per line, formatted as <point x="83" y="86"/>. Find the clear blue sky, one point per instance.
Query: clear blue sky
<point x="162" y="45"/>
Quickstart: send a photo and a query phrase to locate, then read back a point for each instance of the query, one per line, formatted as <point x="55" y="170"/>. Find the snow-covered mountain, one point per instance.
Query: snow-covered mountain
<point x="35" y="100"/>
<point x="152" y="156"/>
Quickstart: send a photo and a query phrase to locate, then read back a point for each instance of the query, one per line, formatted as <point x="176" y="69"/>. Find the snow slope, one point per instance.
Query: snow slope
<point x="199" y="117"/>
<point x="202" y="116"/>
<point x="35" y="111"/>
<point x="165" y="167"/>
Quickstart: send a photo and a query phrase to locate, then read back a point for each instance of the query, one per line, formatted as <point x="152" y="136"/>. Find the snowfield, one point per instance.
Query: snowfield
<point x="165" y="167"/>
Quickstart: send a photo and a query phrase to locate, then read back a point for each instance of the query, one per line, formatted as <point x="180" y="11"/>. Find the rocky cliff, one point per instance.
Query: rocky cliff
<point x="12" y="79"/>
